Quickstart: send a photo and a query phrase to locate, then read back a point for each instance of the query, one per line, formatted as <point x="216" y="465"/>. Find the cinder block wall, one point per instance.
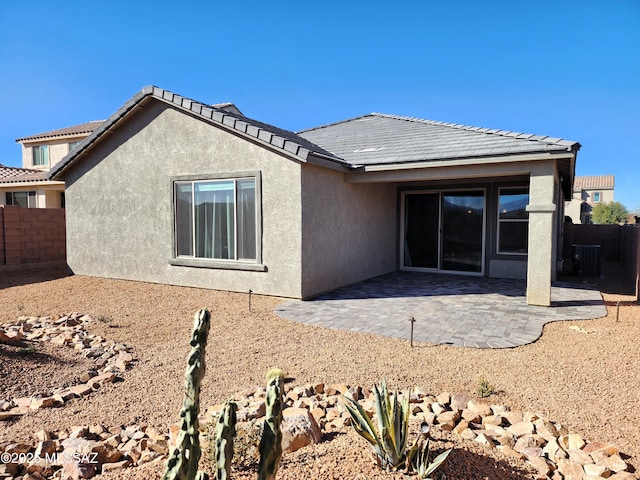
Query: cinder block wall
<point x="31" y="235"/>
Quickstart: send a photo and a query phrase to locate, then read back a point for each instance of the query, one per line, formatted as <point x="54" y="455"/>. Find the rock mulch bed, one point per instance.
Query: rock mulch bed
<point x="313" y="412"/>
<point x="110" y="359"/>
<point x="316" y="410"/>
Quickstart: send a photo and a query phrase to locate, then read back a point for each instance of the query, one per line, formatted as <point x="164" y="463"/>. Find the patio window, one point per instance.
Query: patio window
<point x="217" y="219"/>
<point x="513" y="221"/>
<point x="41" y="156"/>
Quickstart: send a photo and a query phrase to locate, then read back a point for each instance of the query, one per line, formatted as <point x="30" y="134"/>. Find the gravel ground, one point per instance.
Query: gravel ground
<point x="586" y="381"/>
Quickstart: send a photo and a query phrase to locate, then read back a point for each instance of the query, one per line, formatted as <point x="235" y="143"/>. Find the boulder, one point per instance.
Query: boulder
<point x="299" y="429"/>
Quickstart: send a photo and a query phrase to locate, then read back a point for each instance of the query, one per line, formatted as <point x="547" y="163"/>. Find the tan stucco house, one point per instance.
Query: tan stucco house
<point x="175" y="191"/>
<point x="29" y="186"/>
<point x="588" y="191"/>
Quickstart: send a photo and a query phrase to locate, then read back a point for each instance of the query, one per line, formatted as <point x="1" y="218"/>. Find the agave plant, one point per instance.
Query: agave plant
<point x="418" y="460"/>
<point x="389" y="441"/>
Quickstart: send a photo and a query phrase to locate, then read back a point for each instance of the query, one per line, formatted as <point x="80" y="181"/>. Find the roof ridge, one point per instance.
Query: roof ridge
<point x="489" y="131"/>
<point x="319" y="127"/>
<point x="285" y="140"/>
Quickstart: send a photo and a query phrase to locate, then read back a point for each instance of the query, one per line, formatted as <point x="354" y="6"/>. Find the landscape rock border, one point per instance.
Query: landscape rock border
<point x="110" y="359"/>
<point x="553" y="451"/>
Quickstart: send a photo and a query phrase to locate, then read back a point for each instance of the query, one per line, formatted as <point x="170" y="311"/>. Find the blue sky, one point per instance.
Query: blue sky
<point x="562" y="68"/>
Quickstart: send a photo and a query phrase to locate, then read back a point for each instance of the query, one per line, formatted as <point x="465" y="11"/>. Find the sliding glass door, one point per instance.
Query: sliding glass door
<point x="443" y="231"/>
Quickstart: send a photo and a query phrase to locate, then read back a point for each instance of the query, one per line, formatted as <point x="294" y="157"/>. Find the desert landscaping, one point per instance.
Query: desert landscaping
<point x="123" y="384"/>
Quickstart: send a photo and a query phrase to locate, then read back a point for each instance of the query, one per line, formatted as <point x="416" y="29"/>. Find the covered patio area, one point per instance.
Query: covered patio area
<point x="459" y="310"/>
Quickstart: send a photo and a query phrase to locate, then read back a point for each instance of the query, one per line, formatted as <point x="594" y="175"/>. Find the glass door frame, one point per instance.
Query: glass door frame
<point x="441" y="193"/>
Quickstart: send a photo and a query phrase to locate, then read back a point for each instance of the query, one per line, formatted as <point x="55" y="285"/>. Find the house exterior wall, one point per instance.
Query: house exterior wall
<point x="119" y="203"/>
<point x="349" y="231"/>
<point x="58" y="149"/>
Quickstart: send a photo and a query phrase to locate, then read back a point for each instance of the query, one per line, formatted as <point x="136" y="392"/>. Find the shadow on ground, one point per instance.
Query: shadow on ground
<point x="613" y="279"/>
<point x="16" y="278"/>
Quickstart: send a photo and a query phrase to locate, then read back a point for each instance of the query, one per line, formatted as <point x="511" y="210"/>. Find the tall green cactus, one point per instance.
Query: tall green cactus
<point x="271" y="442"/>
<point x="225" y="431"/>
<point x="183" y="461"/>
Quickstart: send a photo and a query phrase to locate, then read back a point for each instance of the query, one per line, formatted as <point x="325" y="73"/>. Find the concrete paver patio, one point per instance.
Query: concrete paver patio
<point x="457" y="310"/>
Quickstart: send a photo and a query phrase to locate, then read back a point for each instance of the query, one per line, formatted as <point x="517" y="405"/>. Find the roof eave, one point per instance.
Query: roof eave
<point x="464" y="161"/>
<point x="239" y="127"/>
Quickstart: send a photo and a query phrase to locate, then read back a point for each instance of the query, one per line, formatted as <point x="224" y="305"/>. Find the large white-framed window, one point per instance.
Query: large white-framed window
<point x="216" y="221"/>
<point x="25" y="199"/>
<point x="41" y="156"/>
<point x="513" y="221"/>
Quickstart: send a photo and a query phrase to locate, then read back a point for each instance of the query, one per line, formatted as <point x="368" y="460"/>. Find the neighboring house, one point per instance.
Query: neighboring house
<point x="587" y="192"/>
<point x="29" y="186"/>
<point x="174" y="191"/>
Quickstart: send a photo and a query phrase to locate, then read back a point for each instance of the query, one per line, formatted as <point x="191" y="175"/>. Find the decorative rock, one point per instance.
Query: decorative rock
<point x="77" y="471"/>
<point x="510" y="451"/>
<point x="448" y="420"/>
<point x="471" y="416"/>
<point x="109" y="467"/>
<point x="459" y="401"/>
<point x="468" y="434"/>
<point x="493" y="420"/>
<point x="462" y="425"/>
<point x="484" y="440"/>
<point x="522" y="428"/>
<point x="527" y="442"/>
<point x="481" y="409"/>
<point x="299" y="429"/>
<point x="614" y="463"/>
<point x="579" y="456"/>
<point x="597" y="470"/>
<point x="438" y="408"/>
<point x="444" y="398"/>
<point x="570" y="469"/>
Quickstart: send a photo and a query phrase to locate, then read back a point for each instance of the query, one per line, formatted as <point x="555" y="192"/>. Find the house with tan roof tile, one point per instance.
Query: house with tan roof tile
<point x="588" y="191"/>
<point x="29" y="186"/>
<point x="176" y="191"/>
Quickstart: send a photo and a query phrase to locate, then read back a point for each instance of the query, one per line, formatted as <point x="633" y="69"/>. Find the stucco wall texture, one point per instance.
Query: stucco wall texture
<point x="349" y="230"/>
<point x="119" y="220"/>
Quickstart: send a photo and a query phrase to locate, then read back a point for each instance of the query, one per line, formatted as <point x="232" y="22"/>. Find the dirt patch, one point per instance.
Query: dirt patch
<point x="34" y="368"/>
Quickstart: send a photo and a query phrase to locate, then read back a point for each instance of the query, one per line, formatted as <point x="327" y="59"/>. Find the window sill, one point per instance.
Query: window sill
<point x="218" y="264"/>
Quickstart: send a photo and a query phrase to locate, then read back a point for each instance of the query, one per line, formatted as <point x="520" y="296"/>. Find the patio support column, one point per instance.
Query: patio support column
<point x="541" y="210"/>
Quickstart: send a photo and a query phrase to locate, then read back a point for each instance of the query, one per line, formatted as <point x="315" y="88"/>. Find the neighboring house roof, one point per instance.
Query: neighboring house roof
<point x="594" y="182"/>
<point x="287" y="142"/>
<point x="378" y="139"/>
<point x="21" y="175"/>
<point x="74" y="131"/>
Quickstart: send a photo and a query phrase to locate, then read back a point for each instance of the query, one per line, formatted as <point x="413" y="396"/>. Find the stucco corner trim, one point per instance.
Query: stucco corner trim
<point x="218" y="264"/>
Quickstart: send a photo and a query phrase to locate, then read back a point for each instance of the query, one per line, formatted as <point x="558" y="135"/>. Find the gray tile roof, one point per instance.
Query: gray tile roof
<point x="379" y="139"/>
<point x="375" y="139"/>
<point x="21" y="175"/>
<point x="226" y="115"/>
<point x="74" y="131"/>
